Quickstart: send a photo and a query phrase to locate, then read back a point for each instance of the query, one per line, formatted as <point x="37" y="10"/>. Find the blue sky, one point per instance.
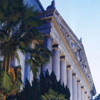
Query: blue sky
<point x="83" y="17"/>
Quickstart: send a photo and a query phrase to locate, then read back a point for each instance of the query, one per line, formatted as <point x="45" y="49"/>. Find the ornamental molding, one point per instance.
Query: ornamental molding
<point x="72" y="44"/>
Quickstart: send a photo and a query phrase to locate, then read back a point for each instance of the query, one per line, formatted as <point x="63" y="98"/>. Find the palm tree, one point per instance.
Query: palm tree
<point x="18" y="30"/>
<point x="52" y="95"/>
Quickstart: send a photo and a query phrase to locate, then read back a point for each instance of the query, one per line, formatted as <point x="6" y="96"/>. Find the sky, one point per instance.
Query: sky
<point x="83" y="17"/>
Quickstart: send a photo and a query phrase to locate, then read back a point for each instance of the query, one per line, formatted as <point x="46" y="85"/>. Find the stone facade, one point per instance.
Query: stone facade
<point x="69" y="61"/>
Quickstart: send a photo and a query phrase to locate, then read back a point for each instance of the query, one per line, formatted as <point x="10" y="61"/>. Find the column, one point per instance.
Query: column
<point x="82" y="93"/>
<point x="78" y="90"/>
<point x="86" y="96"/>
<point x="27" y="69"/>
<point x="39" y="72"/>
<point x="31" y="77"/>
<point x="22" y="63"/>
<point x="48" y="65"/>
<point x="56" y="61"/>
<point x="74" y="85"/>
<point x="63" y="71"/>
<point x="69" y="80"/>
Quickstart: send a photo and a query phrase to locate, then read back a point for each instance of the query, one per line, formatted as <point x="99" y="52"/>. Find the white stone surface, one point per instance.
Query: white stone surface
<point x="56" y="63"/>
<point x="82" y="94"/>
<point x="69" y="81"/>
<point x="74" y="85"/>
<point x="56" y="37"/>
<point x="86" y="96"/>
<point x="48" y="65"/>
<point x="31" y="77"/>
<point x="78" y="91"/>
<point x="22" y="64"/>
<point x="63" y="72"/>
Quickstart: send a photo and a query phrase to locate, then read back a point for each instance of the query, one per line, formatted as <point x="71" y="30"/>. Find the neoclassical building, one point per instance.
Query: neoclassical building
<point x="69" y="61"/>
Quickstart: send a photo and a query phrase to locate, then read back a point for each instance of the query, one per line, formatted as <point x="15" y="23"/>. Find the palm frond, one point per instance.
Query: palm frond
<point x="6" y="81"/>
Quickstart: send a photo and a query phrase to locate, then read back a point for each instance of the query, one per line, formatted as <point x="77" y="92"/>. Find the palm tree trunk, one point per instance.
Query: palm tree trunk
<point x="7" y="64"/>
<point x="4" y="62"/>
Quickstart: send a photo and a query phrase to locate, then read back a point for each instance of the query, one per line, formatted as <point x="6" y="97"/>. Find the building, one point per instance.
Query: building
<point x="69" y="61"/>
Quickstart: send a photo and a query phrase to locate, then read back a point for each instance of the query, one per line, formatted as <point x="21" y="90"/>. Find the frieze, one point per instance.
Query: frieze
<point x="78" y="53"/>
<point x="74" y="43"/>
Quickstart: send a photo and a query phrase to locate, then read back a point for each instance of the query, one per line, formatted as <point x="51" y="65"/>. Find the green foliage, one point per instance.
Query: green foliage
<point x="18" y="30"/>
<point x="27" y="92"/>
<point x="39" y="56"/>
<point x="23" y="95"/>
<point x="52" y="95"/>
<point x="5" y="82"/>
<point x="42" y="89"/>
<point x="54" y="82"/>
<point x="36" y="89"/>
<point x="17" y="24"/>
<point x="50" y="82"/>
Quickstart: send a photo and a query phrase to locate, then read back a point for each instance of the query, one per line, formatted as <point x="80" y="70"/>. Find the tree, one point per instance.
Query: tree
<point x="45" y="82"/>
<point x="58" y="87"/>
<point x="42" y="89"/>
<point x="52" y="95"/>
<point x="36" y="90"/>
<point x="18" y="30"/>
<point x="42" y="84"/>
<point x="25" y="94"/>
<point x="53" y="79"/>
<point x="50" y="82"/>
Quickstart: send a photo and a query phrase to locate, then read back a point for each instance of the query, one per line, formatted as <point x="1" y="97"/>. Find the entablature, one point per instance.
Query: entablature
<point x="75" y="45"/>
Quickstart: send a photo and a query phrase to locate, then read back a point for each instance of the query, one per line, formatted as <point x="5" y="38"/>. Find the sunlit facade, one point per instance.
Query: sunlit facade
<point x="69" y="61"/>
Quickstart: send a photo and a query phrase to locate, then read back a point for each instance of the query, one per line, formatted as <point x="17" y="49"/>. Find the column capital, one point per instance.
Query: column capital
<point x="69" y="67"/>
<point x="85" y="93"/>
<point x="56" y="46"/>
<point x="62" y="58"/>
<point x="74" y="74"/>
<point x="56" y="61"/>
<point x="78" y="81"/>
<point x="82" y="87"/>
<point x="88" y="96"/>
<point x="63" y="71"/>
<point x="48" y="36"/>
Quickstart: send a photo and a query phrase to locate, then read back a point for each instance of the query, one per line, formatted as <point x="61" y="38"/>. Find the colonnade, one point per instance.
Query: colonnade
<point x="64" y="72"/>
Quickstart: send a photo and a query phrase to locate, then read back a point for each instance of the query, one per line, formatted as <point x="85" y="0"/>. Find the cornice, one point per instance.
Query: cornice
<point x="71" y="54"/>
<point x="50" y="15"/>
<point x="56" y="13"/>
